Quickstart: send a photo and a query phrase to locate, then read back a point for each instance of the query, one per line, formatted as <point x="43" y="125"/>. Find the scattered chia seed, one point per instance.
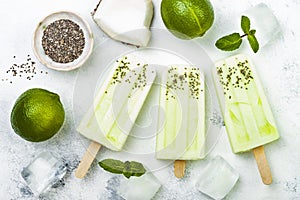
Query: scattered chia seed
<point x="26" y="70"/>
<point x="63" y="41"/>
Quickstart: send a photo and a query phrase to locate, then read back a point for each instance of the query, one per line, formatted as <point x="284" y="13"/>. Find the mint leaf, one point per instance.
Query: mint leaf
<point x="128" y="169"/>
<point x="252" y="32"/>
<point x="137" y="169"/>
<point x="229" y="42"/>
<point x="113" y="166"/>
<point x="245" y="24"/>
<point x="133" y="168"/>
<point x="253" y="43"/>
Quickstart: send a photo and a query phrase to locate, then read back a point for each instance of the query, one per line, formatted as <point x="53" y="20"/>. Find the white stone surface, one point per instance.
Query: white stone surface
<point x="277" y="64"/>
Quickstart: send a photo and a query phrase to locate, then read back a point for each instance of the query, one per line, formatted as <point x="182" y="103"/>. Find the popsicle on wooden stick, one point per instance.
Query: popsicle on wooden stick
<point x="111" y="117"/>
<point x="247" y="114"/>
<point x="181" y="120"/>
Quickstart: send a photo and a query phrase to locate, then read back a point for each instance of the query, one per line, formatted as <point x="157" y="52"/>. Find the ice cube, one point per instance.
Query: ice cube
<point x="264" y="22"/>
<point x="217" y="178"/>
<point x="43" y="172"/>
<point x="136" y="188"/>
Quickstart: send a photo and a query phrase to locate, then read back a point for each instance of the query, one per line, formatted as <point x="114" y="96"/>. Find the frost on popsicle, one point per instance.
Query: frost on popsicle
<point x="247" y="115"/>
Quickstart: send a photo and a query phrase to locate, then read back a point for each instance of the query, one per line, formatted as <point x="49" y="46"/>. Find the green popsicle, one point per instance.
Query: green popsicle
<point x="181" y="121"/>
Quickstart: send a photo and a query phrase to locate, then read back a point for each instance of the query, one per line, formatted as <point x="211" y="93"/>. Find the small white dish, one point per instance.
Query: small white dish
<point x="46" y="60"/>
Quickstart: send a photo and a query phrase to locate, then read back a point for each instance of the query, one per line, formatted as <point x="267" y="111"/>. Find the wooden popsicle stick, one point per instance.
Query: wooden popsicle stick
<point x="179" y="168"/>
<point x="87" y="159"/>
<point x="263" y="165"/>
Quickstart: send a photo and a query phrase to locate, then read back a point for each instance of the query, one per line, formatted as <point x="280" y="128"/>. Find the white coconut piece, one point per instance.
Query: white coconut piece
<point x="127" y="21"/>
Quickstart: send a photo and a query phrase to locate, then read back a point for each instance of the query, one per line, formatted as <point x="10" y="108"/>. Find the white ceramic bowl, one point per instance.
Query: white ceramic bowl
<point x="46" y="60"/>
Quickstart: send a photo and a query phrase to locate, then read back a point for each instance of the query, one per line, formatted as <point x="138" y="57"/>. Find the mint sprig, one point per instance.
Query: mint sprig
<point x="233" y="41"/>
<point x="128" y="168"/>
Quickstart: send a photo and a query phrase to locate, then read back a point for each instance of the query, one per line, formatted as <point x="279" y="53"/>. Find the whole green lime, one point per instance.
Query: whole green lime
<point x="187" y="19"/>
<point x="37" y="115"/>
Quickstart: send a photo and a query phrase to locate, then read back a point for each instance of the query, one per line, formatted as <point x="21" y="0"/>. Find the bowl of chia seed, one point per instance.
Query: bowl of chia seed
<point x="63" y="41"/>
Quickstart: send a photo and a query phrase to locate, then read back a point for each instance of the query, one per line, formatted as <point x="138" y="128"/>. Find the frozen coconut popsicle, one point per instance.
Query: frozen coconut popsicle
<point x="181" y="120"/>
<point x="111" y="117"/>
<point x="247" y="114"/>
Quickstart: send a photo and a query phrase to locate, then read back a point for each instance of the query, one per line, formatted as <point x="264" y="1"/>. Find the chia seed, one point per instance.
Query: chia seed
<point x="63" y="41"/>
<point x="124" y="74"/>
<point x="191" y="77"/>
<point x="242" y="78"/>
<point x="26" y="69"/>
